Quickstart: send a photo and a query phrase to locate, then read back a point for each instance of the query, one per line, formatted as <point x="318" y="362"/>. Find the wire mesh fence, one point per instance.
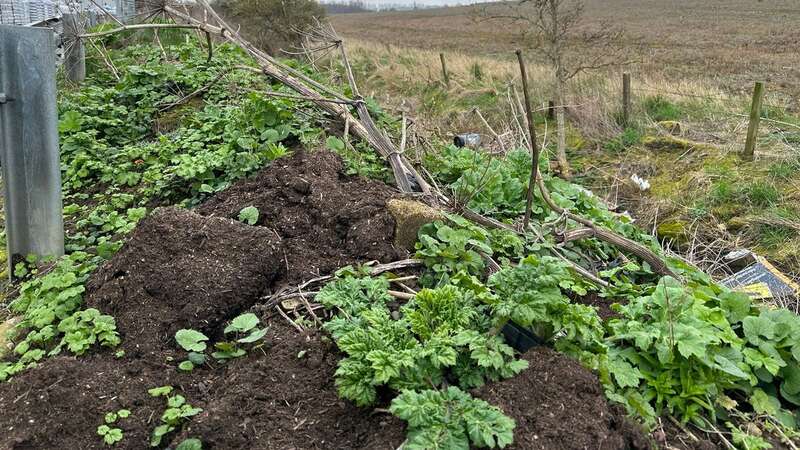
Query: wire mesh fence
<point x="33" y="12"/>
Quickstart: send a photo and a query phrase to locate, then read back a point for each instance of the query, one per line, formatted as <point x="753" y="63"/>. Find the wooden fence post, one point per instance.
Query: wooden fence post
<point x="755" y="118"/>
<point x="444" y="70"/>
<point x="626" y="98"/>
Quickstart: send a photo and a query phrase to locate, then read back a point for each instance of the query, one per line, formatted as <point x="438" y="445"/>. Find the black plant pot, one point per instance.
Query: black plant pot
<point x="520" y="338"/>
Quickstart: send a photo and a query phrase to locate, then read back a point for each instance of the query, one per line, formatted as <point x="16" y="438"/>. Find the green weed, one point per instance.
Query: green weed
<point x="659" y="108"/>
<point x="761" y="193"/>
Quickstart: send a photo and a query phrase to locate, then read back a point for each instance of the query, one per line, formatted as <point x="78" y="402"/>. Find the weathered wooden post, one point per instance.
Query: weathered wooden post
<point x="445" y="75"/>
<point x="29" y="150"/>
<point x="626" y="98"/>
<point x="534" y="146"/>
<point x="74" y="51"/>
<point x="755" y="118"/>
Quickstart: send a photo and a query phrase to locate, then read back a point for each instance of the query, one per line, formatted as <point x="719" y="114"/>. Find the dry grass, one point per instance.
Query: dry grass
<point x="730" y="43"/>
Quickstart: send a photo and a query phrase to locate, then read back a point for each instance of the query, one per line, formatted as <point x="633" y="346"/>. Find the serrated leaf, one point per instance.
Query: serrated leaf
<point x="764" y="403"/>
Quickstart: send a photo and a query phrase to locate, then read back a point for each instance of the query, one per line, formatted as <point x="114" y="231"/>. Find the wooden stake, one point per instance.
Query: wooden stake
<point x="444" y="70"/>
<point x="755" y="118"/>
<point x="534" y="147"/>
<point x="626" y="98"/>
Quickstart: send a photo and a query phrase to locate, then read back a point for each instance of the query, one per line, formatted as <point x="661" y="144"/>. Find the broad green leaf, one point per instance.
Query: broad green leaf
<point x="764" y="403"/>
<point x="191" y="340"/>
<point x="190" y="444"/>
<point x="249" y="215"/>
<point x="254" y="336"/>
<point x="242" y="323"/>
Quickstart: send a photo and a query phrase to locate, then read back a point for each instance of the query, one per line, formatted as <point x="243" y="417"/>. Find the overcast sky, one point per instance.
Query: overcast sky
<point x="418" y="2"/>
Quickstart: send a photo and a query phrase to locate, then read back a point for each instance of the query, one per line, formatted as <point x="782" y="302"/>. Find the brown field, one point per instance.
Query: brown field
<point x="728" y="43"/>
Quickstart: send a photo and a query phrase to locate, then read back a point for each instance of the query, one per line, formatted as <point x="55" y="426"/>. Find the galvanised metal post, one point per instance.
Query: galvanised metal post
<point x="29" y="151"/>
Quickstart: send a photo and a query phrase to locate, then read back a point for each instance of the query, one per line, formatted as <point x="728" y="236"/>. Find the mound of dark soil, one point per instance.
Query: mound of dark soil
<point x="286" y="399"/>
<point x="325" y="218"/>
<point x="179" y="269"/>
<point x="276" y="398"/>
<point x="61" y="403"/>
<point x="182" y="270"/>
<point x="558" y="404"/>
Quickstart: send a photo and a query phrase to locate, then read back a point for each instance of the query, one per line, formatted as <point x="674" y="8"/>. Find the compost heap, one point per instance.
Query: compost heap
<point x="198" y="269"/>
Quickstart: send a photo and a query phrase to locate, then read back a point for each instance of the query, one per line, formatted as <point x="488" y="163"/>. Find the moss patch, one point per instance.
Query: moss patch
<point x="671" y="143"/>
<point x="410" y="216"/>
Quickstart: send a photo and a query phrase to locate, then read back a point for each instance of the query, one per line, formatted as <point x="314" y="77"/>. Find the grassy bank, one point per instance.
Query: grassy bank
<point x="684" y="138"/>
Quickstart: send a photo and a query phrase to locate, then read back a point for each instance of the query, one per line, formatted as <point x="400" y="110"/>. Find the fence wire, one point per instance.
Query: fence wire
<point x="37" y="12"/>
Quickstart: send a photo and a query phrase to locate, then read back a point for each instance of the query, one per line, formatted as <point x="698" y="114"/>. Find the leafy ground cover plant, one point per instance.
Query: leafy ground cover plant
<point x="442" y="334"/>
<point x="244" y="330"/>
<point x="177" y="411"/>
<point x="249" y="215"/>
<point x="126" y="146"/>
<point x="112" y="435"/>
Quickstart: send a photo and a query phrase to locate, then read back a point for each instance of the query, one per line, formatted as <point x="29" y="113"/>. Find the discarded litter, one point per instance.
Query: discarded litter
<point x="761" y="280"/>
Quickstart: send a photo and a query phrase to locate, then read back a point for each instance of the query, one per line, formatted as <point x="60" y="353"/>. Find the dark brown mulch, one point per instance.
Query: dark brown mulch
<point x="182" y="270"/>
<point x="178" y="270"/>
<point x="271" y="400"/>
<point x="286" y="399"/>
<point x="325" y="219"/>
<point x="558" y="404"/>
<point x="602" y="304"/>
<point x="60" y="404"/>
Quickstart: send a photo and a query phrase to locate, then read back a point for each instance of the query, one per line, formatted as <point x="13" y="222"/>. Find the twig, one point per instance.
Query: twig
<point x="194" y="94"/>
<point x="491" y="130"/>
<point x="400" y="295"/>
<point x="138" y="26"/>
<point x="309" y="308"/>
<point x="158" y="41"/>
<point x="283" y="314"/>
<point x="108" y="62"/>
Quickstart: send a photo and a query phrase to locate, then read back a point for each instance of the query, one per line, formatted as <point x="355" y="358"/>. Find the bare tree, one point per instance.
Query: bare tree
<point x="273" y="24"/>
<point x="556" y="30"/>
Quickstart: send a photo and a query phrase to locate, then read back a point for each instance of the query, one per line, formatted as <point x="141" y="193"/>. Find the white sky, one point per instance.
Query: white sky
<point x="419" y="2"/>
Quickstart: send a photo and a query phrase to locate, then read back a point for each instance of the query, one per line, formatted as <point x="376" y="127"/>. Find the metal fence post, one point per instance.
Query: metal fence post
<point x="29" y="150"/>
<point x="74" y="51"/>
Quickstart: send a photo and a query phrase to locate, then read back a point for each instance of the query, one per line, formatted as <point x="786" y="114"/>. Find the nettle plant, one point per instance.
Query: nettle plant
<point x="441" y="338"/>
<point x="682" y="349"/>
<point x="456" y="246"/>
